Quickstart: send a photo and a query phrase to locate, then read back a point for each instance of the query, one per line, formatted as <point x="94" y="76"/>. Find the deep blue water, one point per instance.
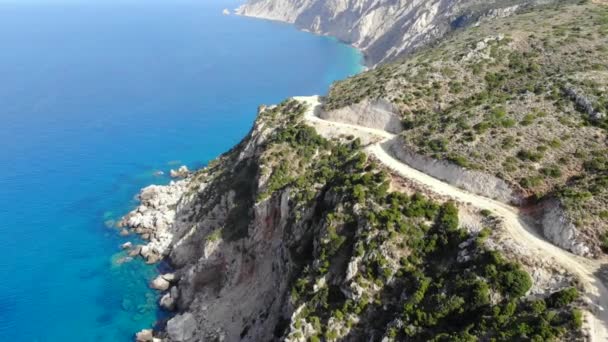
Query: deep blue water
<point x="95" y="96"/>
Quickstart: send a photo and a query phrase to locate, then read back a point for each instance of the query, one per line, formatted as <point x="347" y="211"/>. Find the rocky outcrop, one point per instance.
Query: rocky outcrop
<point x="182" y="172"/>
<point x="144" y="336"/>
<point x="232" y="256"/>
<point x="584" y="103"/>
<point x="379" y="114"/>
<point x="162" y="282"/>
<point x="383" y="29"/>
<point x="560" y="230"/>
<point x="474" y="181"/>
<point x="154" y="218"/>
<point x="182" y="327"/>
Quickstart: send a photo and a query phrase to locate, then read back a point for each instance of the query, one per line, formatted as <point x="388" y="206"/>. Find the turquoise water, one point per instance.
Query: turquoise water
<point x="94" y="98"/>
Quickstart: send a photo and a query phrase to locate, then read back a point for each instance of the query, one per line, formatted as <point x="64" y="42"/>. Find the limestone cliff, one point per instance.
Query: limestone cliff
<point x="383" y="29"/>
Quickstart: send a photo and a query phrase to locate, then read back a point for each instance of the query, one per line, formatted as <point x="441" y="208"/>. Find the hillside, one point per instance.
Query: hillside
<point x="384" y="29"/>
<point x="522" y="99"/>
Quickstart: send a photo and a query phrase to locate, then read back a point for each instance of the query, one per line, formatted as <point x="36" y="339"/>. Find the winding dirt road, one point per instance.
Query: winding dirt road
<point x="596" y="320"/>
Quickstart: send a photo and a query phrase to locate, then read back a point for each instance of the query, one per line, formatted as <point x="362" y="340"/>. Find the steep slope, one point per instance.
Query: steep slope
<point x="383" y="29"/>
<point x="522" y="100"/>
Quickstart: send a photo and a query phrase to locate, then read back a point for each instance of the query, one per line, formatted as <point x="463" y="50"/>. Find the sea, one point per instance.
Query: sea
<point x="97" y="97"/>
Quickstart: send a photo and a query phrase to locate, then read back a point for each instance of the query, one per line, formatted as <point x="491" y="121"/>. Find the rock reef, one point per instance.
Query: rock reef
<point x="154" y="218"/>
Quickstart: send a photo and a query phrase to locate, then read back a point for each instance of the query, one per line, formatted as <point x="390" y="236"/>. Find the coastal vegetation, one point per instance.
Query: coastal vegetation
<point x="523" y="98"/>
<point x="397" y="254"/>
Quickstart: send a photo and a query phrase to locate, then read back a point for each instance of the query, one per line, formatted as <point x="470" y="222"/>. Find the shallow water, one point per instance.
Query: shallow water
<point x="96" y="97"/>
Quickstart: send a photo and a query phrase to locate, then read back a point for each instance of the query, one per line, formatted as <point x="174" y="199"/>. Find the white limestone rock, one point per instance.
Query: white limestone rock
<point x="182" y="172"/>
<point x="559" y="229"/>
<point x="167" y="302"/>
<point x="144" y="335"/>
<point x="154" y="218"/>
<point x="160" y="283"/>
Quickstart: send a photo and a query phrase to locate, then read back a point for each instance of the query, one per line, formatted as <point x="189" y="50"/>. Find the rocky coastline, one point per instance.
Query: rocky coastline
<point x="383" y="30"/>
<point x="154" y="222"/>
<point x="153" y="219"/>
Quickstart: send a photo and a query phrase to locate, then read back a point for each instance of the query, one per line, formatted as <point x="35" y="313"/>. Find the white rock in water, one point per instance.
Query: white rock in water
<point x="160" y="283"/>
<point x="167" y="302"/>
<point x="226" y="11"/>
<point x="126" y="245"/>
<point x="144" y="336"/>
<point x="168" y="277"/>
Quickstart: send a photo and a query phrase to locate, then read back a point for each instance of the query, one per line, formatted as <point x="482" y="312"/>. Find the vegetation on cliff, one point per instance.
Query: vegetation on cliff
<point x="383" y="263"/>
<point x="523" y="98"/>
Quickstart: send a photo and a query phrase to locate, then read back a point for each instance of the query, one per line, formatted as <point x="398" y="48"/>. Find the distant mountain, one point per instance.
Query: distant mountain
<point x="384" y="29"/>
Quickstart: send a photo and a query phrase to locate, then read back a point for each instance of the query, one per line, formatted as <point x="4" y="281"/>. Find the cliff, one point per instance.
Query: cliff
<point x="384" y="29"/>
<point x="291" y="236"/>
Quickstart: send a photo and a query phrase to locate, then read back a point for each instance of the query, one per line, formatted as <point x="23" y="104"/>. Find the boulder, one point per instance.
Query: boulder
<point x="144" y="336"/>
<point x="160" y="283"/>
<point x="170" y="277"/>
<point x="135" y="251"/>
<point x="181" y="327"/>
<point x="126" y="245"/>
<point x="167" y="302"/>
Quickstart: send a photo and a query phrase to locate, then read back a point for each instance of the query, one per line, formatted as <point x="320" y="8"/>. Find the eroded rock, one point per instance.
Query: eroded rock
<point x="181" y="327"/>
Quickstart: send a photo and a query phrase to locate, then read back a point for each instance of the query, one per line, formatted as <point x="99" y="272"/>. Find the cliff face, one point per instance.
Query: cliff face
<point x="383" y="29"/>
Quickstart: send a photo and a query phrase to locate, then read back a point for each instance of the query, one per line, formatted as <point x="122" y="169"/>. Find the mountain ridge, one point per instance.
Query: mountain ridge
<point x="384" y="30"/>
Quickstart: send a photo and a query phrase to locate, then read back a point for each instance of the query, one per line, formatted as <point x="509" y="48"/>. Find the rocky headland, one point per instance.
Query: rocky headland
<point x="384" y="30"/>
<point x="416" y="201"/>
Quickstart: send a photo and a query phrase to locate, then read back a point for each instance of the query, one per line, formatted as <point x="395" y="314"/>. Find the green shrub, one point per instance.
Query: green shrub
<point x="448" y="217"/>
<point x="577" y="318"/>
<point x="507" y="123"/>
<point x="555" y="143"/>
<point x="514" y="281"/>
<point x="482" y="127"/>
<point x="438" y="145"/>
<point x="552" y="171"/>
<point x="486" y="213"/>
<point x="508" y="143"/>
<point x="524" y="155"/>
<point x="527" y="120"/>
<point x="563" y="297"/>
<point x="458" y="160"/>
<point x="498" y="113"/>
<point x="531" y="182"/>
